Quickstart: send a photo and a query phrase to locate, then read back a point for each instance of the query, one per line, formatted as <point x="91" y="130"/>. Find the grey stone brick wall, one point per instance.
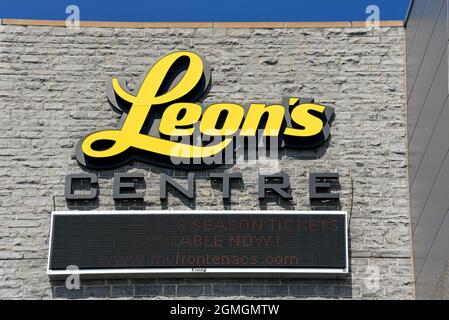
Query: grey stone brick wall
<point x="52" y="93"/>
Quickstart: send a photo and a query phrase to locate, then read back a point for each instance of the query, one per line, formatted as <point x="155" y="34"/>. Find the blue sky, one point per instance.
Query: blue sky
<point x="205" y="10"/>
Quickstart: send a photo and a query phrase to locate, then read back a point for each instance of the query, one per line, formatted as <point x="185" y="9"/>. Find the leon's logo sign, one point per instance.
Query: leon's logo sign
<point x="163" y="123"/>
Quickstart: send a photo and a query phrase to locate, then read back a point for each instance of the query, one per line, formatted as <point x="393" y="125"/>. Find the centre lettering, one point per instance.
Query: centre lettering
<point x="84" y="186"/>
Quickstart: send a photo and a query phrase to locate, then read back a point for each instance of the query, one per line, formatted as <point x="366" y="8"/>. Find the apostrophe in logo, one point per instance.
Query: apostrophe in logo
<point x="163" y="123"/>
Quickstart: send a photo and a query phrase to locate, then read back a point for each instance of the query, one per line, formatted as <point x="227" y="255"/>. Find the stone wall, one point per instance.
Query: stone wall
<point x="52" y="93"/>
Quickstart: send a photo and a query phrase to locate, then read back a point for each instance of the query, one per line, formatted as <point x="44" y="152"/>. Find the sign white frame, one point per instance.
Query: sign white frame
<point x="198" y="272"/>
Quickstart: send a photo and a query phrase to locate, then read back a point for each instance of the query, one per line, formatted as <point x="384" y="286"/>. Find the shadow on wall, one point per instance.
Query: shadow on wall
<point x="308" y="154"/>
<point x="205" y="288"/>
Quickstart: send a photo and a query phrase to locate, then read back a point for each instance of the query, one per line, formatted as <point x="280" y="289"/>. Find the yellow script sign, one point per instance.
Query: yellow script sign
<point x="162" y="117"/>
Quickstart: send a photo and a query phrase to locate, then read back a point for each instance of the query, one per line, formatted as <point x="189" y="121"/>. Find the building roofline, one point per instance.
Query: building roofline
<point x="140" y="25"/>
<point x="409" y="10"/>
